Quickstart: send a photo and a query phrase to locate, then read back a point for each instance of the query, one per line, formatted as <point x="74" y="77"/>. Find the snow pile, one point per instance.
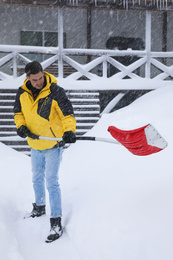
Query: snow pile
<point x="115" y="205"/>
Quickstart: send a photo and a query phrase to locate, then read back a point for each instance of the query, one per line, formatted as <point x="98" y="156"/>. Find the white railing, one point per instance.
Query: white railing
<point x="17" y="55"/>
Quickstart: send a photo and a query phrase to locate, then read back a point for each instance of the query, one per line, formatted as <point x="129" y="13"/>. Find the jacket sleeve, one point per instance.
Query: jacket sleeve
<point x="64" y="109"/>
<point x="18" y="115"/>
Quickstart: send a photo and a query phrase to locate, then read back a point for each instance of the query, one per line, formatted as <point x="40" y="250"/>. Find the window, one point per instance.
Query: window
<point x="32" y="38"/>
<point x="40" y="38"/>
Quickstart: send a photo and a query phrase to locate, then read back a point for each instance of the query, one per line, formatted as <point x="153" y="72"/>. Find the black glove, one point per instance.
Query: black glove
<point x="33" y="136"/>
<point x="69" y="137"/>
<point x="23" y="131"/>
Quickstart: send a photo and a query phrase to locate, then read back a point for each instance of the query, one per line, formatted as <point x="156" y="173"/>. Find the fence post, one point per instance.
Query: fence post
<point x="148" y="44"/>
<point x="14" y="64"/>
<point x="60" y="41"/>
<point x="105" y="68"/>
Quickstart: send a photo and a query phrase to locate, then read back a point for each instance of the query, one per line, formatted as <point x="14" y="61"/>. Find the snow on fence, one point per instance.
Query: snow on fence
<point x="103" y="59"/>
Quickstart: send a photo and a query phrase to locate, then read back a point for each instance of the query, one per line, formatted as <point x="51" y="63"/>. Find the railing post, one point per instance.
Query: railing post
<point x="105" y="69"/>
<point x="60" y="41"/>
<point x="88" y="31"/>
<point x="148" y="43"/>
<point x="165" y="32"/>
<point x="14" y="64"/>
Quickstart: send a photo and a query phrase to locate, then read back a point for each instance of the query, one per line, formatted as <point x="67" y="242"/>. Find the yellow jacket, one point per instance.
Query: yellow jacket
<point x="50" y="115"/>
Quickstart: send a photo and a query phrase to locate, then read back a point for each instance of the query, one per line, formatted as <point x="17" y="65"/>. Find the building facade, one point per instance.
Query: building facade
<point x="106" y="25"/>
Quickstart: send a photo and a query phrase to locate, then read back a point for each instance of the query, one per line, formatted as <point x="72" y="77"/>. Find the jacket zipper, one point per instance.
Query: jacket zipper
<point x="44" y="103"/>
<point x="52" y="132"/>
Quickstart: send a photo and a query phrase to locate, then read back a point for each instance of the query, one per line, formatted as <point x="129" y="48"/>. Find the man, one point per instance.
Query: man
<point x="42" y="109"/>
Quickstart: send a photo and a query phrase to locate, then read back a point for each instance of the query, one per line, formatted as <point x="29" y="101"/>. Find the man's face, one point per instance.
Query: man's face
<point x="37" y="80"/>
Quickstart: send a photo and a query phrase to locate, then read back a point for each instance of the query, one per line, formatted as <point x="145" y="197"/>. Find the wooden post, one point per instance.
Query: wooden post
<point x="15" y="65"/>
<point x="164" y="35"/>
<point x="88" y="31"/>
<point x="60" y="41"/>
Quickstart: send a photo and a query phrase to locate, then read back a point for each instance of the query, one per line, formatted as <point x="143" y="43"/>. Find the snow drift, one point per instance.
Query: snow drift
<point x="115" y="205"/>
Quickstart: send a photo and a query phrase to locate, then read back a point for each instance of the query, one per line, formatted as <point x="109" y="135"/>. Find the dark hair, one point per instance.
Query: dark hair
<point x="33" y="67"/>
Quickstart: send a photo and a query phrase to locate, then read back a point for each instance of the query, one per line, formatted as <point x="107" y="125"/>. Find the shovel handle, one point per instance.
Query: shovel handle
<point x="81" y="138"/>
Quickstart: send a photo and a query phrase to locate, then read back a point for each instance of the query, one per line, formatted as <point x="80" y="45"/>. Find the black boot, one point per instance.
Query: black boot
<point x="55" y="229"/>
<point x="37" y="211"/>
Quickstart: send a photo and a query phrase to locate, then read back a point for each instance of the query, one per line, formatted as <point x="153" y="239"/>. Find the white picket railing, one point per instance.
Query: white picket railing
<point x="103" y="58"/>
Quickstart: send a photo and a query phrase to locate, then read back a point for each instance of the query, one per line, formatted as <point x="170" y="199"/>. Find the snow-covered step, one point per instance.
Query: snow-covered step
<point x="84" y="99"/>
<point x="86" y="113"/>
<point x="82" y="93"/>
<point x="26" y="147"/>
<point x="87" y="119"/>
<point x="84" y="124"/>
<point x="7" y="120"/>
<point x="4" y="113"/>
<point x="7" y="101"/>
<point x="8" y="126"/>
<point x="86" y="108"/>
<point x="6" y="94"/>
<point x="6" y="107"/>
<point x="8" y="133"/>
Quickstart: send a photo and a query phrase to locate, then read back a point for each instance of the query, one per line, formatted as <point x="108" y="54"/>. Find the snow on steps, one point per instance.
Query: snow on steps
<point x="86" y="106"/>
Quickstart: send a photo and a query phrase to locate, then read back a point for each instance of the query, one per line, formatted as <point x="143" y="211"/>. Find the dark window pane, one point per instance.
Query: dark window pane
<point x="51" y="39"/>
<point x="31" y="38"/>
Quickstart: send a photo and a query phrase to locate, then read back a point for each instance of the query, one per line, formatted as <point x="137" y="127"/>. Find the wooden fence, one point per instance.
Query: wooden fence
<point x="150" y="64"/>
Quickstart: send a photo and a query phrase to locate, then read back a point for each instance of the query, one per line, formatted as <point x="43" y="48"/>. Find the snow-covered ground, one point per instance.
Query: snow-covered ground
<point x="116" y="206"/>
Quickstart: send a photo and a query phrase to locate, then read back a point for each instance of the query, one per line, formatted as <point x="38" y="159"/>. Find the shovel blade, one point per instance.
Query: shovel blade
<point x="142" y="141"/>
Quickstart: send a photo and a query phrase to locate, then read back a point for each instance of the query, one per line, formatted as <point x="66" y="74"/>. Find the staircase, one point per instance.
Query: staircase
<point x="86" y="110"/>
<point x="86" y="105"/>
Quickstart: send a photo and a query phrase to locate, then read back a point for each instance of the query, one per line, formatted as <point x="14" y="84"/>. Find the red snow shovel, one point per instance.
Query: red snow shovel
<point x="142" y="141"/>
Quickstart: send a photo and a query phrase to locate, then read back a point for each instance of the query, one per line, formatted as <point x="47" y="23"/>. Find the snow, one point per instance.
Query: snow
<point x="95" y="84"/>
<point x="115" y="205"/>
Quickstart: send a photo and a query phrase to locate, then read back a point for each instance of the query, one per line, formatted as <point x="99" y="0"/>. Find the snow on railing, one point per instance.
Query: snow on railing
<point x="103" y="59"/>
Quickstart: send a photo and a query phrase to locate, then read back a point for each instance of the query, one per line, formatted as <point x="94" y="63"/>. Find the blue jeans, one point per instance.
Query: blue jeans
<point x="45" y="165"/>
